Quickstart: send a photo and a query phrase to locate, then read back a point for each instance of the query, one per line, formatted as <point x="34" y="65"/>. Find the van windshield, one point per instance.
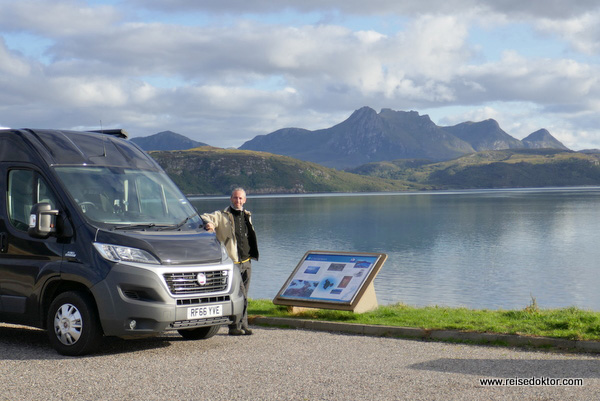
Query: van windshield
<point x="128" y="198"/>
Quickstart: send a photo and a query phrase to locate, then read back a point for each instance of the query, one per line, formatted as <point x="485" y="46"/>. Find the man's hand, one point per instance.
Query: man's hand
<point x="209" y="226"/>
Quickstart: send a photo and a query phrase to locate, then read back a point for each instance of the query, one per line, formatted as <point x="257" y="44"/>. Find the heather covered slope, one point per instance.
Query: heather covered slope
<point x="208" y="170"/>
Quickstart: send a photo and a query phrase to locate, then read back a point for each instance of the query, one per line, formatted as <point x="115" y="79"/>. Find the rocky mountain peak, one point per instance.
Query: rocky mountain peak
<point x="539" y="135"/>
<point x="542" y="139"/>
<point x="364" y="118"/>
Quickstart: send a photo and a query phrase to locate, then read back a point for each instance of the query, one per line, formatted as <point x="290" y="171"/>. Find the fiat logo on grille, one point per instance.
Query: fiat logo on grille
<point x="201" y="278"/>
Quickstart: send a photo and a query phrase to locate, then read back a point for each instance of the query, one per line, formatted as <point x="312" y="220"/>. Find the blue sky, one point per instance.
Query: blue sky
<point x="223" y="72"/>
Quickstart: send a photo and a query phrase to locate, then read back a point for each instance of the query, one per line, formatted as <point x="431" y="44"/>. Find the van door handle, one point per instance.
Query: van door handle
<point x="3" y="242"/>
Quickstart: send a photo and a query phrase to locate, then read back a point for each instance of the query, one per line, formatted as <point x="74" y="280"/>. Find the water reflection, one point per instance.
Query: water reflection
<point x="479" y="249"/>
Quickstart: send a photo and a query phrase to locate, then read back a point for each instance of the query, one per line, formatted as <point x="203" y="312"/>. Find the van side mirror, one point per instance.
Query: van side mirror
<point x="42" y="220"/>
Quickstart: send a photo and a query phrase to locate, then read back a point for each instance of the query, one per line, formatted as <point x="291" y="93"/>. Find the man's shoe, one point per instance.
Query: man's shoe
<point x="247" y="332"/>
<point x="235" y="332"/>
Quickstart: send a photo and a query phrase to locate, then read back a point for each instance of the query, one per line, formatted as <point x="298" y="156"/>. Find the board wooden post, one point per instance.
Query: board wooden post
<point x="368" y="301"/>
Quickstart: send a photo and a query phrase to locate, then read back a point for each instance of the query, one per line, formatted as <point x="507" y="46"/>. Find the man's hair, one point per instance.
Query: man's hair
<point x="238" y="189"/>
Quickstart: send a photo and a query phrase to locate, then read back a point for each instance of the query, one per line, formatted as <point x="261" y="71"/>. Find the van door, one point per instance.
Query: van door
<point x="26" y="263"/>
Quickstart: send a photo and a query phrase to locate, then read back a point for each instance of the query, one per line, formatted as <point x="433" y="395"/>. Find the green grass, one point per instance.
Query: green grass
<point x="566" y="323"/>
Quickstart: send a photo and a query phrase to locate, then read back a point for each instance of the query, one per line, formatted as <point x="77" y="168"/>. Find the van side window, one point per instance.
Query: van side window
<point x="25" y="188"/>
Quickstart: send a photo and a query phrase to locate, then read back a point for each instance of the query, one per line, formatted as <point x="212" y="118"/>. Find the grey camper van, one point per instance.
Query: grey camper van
<point x="95" y="240"/>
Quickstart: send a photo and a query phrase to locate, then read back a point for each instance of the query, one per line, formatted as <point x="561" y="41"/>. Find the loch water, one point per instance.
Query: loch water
<point x="481" y="249"/>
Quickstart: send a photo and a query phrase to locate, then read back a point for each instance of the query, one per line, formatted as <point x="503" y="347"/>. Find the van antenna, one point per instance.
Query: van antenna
<point x="103" y="142"/>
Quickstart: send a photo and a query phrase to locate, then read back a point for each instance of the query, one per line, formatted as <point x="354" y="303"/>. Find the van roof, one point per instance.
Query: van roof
<point x="62" y="147"/>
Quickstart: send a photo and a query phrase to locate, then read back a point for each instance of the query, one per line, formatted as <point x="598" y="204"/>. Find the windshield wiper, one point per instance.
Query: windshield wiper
<point x="134" y="226"/>
<point x="159" y="227"/>
<point x="178" y="225"/>
<point x="182" y="222"/>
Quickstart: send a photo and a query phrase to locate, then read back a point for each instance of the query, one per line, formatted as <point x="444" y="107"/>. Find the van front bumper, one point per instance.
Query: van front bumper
<point x="135" y="300"/>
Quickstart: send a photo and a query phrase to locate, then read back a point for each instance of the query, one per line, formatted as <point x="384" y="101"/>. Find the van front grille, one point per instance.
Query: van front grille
<point x="203" y="300"/>
<point x="197" y="282"/>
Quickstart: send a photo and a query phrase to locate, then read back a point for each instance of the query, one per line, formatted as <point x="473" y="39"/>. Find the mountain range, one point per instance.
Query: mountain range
<point x="367" y="136"/>
<point x="386" y="151"/>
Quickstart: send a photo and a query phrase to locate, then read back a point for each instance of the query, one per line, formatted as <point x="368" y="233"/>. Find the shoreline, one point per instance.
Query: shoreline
<point x="193" y="197"/>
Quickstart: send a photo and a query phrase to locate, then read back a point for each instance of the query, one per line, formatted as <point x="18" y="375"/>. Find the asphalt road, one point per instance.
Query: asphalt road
<point x="284" y="364"/>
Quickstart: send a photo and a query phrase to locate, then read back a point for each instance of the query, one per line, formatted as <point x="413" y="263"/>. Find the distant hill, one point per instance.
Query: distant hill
<point x="211" y="171"/>
<point x="166" y="140"/>
<point x="542" y="139"/>
<point x="367" y="136"/>
<point x="495" y="169"/>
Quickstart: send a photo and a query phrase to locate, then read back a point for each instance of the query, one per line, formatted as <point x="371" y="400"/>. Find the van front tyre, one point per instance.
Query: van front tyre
<point x="201" y="333"/>
<point x="72" y="324"/>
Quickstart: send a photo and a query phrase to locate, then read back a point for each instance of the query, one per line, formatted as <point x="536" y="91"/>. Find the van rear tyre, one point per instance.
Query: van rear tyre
<point x="72" y="324"/>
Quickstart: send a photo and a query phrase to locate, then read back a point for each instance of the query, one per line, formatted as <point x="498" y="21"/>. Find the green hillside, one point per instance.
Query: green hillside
<point x="209" y="171"/>
<point x="212" y="171"/>
<point x="495" y="169"/>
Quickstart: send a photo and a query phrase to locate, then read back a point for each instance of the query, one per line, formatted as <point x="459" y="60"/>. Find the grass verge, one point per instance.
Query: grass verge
<point x="566" y="323"/>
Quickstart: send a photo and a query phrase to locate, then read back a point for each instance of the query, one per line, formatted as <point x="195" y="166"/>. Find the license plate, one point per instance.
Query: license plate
<point x="201" y="312"/>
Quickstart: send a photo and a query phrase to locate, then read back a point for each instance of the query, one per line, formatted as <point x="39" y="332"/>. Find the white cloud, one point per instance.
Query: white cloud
<point x="436" y="46"/>
<point x="11" y="63"/>
<point x="552" y="84"/>
<point x="582" y="32"/>
<point x="55" y="18"/>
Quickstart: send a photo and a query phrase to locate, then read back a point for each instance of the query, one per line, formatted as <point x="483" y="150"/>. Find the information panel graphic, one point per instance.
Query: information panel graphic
<point x="330" y="278"/>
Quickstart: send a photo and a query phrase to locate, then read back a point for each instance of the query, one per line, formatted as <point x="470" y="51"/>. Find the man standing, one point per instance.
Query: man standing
<point x="234" y="229"/>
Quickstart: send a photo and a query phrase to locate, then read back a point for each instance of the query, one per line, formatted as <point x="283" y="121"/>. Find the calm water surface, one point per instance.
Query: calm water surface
<point x="479" y="249"/>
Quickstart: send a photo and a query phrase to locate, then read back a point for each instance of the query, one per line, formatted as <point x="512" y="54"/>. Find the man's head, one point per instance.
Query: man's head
<point x="238" y="198"/>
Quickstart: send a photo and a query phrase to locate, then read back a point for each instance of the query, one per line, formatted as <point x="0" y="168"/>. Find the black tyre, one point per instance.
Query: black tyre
<point x="72" y="324"/>
<point x="201" y="333"/>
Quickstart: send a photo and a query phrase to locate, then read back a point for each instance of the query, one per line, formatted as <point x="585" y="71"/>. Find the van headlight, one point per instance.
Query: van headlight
<point x="224" y="254"/>
<point x="118" y="253"/>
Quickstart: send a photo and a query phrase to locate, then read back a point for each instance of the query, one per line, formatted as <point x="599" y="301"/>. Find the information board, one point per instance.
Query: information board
<point x="330" y="280"/>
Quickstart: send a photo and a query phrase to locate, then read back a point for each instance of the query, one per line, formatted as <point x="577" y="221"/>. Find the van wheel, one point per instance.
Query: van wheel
<point x="72" y="324"/>
<point x="200" y="333"/>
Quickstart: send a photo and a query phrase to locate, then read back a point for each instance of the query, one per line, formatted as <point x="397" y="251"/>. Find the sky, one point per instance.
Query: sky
<point x="223" y="72"/>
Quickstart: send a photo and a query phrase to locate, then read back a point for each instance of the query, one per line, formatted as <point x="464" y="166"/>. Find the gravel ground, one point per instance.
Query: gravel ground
<point x="283" y="364"/>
